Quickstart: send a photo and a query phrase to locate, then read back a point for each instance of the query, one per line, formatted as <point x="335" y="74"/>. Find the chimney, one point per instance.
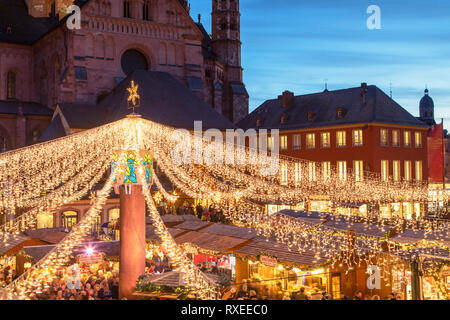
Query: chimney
<point x="286" y="99"/>
<point x="364" y="91"/>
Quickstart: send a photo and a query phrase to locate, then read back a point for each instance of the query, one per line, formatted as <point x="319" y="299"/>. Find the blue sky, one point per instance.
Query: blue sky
<point x="296" y="44"/>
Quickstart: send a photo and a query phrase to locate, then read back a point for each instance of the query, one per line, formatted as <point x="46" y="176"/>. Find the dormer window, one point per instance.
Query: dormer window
<point x="283" y="119"/>
<point x="311" y="116"/>
<point x="258" y="122"/>
<point x="340" y="113"/>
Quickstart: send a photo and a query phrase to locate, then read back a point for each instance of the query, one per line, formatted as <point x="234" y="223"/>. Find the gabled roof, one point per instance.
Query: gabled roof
<point x="24" y="28"/>
<point x="82" y="116"/>
<point x="54" y="131"/>
<point x="378" y="107"/>
<point x="165" y="100"/>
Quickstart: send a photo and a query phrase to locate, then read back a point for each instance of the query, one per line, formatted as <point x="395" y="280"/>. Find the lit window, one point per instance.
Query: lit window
<point x="395" y="138"/>
<point x="326" y="170"/>
<point x="358" y="168"/>
<point x="396" y="170"/>
<point x="357" y="138"/>
<point x="384" y="170"/>
<point x="298" y="173"/>
<point x="384" y="137"/>
<point x="283" y="142"/>
<point x="419" y="170"/>
<point x="408" y="170"/>
<point x="44" y="220"/>
<point x="407" y="136"/>
<point x="312" y="171"/>
<point x="113" y="214"/>
<point x="342" y="170"/>
<point x="310" y="141"/>
<point x="325" y="139"/>
<point x="284" y="174"/>
<point x="418" y="139"/>
<point x="269" y="143"/>
<point x="69" y="219"/>
<point x="341" y="139"/>
<point x="296" y="142"/>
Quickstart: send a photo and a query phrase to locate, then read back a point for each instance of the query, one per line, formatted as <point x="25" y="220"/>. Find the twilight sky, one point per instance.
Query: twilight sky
<point x="296" y="44"/>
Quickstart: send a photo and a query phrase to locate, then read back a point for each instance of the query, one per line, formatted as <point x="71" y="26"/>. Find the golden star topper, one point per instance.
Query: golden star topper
<point x="133" y="96"/>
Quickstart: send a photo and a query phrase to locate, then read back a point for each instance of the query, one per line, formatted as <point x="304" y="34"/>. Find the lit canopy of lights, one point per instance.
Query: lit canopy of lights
<point x="46" y="176"/>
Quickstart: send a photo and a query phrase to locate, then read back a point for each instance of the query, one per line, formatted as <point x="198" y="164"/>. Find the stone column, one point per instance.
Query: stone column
<point x="132" y="238"/>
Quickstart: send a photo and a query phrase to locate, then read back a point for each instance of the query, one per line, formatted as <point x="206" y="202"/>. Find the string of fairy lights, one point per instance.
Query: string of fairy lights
<point x="46" y="176"/>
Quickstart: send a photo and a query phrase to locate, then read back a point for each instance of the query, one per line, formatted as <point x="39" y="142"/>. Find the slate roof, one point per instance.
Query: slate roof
<point x="378" y="107"/>
<point x="28" y="108"/>
<point x="54" y="131"/>
<point x="165" y="100"/>
<point x="110" y="248"/>
<point x="82" y="116"/>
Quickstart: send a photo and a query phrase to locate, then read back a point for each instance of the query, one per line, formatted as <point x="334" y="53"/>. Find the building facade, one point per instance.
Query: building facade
<point x="357" y="133"/>
<point x="45" y="63"/>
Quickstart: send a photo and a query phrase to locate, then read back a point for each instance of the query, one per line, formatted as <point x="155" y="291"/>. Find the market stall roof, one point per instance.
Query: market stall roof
<point x="110" y="248"/>
<point x="361" y="229"/>
<point x="13" y="242"/>
<point x="313" y="218"/>
<point x="173" y="279"/>
<point x="413" y="236"/>
<point x="51" y="236"/>
<point x="431" y="255"/>
<point x="172" y="220"/>
<point x="282" y="253"/>
<point x="232" y="231"/>
<point x="193" y="225"/>
<point x="208" y="241"/>
<point x="152" y="236"/>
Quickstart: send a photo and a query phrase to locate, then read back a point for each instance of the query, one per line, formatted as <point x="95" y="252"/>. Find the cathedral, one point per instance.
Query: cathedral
<point x="56" y="80"/>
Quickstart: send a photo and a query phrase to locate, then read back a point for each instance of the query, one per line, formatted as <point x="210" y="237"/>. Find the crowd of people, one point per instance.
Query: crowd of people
<point x="7" y="275"/>
<point x="210" y="213"/>
<point x="81" y="282"/>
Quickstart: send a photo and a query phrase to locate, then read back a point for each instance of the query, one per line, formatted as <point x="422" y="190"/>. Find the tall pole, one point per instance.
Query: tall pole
<point x="416" y="281"/>
<point x="132" y="238"/>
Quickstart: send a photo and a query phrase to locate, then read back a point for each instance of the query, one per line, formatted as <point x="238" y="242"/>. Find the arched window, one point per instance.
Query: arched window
<point x="69" y="219"/>
<point x="11" y="85"/>
<point x="133" y="60"/>
<point x="146" y="10"/>
<point x="126" y="9"/>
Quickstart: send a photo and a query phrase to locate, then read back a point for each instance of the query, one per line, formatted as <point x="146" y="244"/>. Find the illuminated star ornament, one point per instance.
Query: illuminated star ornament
<point x="134" y="99"/>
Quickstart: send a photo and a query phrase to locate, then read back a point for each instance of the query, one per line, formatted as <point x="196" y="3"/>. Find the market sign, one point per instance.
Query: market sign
<point x="268" y="261"/>
<point x="96" y="257"/>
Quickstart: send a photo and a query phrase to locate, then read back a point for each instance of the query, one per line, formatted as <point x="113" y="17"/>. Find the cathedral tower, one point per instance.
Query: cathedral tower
<point x="226" y="44"/>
